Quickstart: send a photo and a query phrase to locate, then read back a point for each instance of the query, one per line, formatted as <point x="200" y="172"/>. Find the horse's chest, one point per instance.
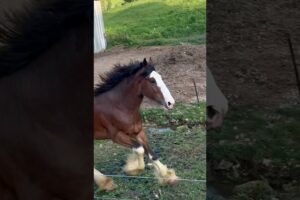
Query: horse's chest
<point x="119" y="120"/>
<point x="130" y="124"/>
<point x="135" y="128"/>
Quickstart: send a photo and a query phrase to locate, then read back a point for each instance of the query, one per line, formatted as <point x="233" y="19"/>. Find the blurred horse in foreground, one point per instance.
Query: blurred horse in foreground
<point x="46" y="59"/>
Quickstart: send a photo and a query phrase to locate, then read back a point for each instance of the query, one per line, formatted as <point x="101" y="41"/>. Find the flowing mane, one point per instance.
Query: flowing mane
<point x="30" y="28"/>
<point x="118" y="74"/>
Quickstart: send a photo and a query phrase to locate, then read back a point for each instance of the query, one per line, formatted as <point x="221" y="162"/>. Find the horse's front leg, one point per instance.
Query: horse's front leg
<point x="161" y="171"/>
<point x="135" y="161"/>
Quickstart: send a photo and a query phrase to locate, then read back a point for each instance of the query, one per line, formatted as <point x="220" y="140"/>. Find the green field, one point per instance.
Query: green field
<point x="178" y="138"/>
<point x="154" y="22"/>
<point x="263" y="143"/>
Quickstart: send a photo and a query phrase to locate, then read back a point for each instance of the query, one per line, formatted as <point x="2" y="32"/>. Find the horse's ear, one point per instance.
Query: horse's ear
<point x="145" y="63"/>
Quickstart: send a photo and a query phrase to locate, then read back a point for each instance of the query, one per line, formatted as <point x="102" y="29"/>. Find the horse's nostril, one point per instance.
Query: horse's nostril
<point x="169" y="103"/>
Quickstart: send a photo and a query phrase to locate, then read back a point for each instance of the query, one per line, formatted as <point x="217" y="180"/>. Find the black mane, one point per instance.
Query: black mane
<point x="118" y="74"/>
<point x="28" y="28"/>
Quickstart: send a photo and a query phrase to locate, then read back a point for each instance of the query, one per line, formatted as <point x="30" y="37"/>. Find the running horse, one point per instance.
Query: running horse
<point x="116" y="116"/>
<point x="46" y="99"/>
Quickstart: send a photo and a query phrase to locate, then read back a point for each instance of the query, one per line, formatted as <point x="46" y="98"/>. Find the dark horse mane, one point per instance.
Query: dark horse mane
<point x="119" y="73"/>
<point x="28" y="30"/>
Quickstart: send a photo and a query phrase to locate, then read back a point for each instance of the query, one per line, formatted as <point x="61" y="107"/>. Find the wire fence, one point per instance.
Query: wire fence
<point x="143" y="177"/>
<point x="153" y="178"/>
<point x="110" y="198"/>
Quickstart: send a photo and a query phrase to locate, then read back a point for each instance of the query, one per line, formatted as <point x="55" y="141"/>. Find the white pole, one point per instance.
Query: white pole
<point x="99" y="31"/>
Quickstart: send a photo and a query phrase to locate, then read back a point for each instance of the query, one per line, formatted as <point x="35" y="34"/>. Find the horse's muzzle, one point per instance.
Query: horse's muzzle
<point x="169" y="104"/>
<point x="214" y="118"/>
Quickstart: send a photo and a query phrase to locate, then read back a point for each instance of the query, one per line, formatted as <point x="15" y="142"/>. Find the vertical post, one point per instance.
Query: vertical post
<point x="196" y="91"/>
<point x="294" y="62"/>
<point x="99" y="31"/>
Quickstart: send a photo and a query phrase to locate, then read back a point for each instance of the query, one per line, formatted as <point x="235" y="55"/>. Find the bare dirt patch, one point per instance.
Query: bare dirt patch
<point x="178" y="65"/>
<point x="248" y="51"/>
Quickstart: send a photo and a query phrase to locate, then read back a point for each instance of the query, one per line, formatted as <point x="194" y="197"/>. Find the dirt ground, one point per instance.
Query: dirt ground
<point x="248" y="50"/>
<point x="178" y="65"/>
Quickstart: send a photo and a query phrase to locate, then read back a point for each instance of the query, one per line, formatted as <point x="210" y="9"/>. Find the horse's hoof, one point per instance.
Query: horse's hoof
<point x="133" y="166"/>
<point x="169" y="178"/>
<point x="107" y="185"/>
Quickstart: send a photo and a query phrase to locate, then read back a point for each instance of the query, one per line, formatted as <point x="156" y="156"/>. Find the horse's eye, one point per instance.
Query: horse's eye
<point x="152" y="80"/>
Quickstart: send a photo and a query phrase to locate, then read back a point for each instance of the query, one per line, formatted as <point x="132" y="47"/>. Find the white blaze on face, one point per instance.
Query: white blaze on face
<point x="169" y="100"/>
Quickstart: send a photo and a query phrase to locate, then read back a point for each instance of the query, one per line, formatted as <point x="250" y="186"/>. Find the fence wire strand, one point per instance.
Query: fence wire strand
<point x="152" y="178"/>
<point x="109" y="198"/>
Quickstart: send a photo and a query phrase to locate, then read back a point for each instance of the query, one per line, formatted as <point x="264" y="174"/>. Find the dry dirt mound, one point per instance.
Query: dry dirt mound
<point x="178" y="65"/>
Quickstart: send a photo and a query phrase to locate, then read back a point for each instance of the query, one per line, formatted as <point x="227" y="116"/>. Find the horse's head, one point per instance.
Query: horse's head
<point x="217" y="104"/>
<point x="154" y="87"/>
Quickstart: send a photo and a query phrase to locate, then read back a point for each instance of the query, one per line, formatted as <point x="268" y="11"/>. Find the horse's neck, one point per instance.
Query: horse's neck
<point x="129" y="95"/>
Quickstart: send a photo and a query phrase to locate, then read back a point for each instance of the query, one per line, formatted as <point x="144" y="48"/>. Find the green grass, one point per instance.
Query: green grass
<point x="110" y="4"/>
<point x="155" y="22"/>
<point x="181" y="114"/>
<point x="260" y="134"/>
<point x="250" y="136"/>
<point x="182" y="148"/>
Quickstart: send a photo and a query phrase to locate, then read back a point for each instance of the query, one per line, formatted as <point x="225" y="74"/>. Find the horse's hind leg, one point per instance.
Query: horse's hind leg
<point x="135" y="161"/>
<point x="104" y="182"/>
<point x="161" y="171"/>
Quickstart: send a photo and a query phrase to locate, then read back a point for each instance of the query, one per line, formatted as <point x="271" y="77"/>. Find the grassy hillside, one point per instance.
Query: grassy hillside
<point x="155" y="22"/>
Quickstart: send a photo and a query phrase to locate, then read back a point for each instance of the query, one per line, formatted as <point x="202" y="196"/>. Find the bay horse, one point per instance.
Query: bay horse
<point x="116" y="116"/>
<point x="46" y="100"/>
